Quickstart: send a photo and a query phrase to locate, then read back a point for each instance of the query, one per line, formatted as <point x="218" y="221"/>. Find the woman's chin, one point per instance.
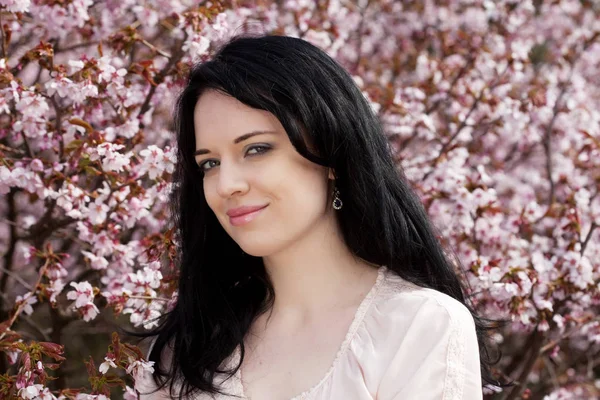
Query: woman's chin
<point x="256" y="251"/>
<point x="263" y="248"/>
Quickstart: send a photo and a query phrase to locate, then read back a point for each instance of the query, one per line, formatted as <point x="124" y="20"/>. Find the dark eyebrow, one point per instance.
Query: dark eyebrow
<point x="245" y="136"/>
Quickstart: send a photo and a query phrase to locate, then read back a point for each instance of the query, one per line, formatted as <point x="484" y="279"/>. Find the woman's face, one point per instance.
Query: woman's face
<point x="246" y="169"/>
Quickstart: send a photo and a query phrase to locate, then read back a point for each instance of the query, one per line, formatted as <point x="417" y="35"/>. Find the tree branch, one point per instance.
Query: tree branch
<point x="161" y="75"/>
<point x="534" y="353"/>
<point x="2" y="38"/>
<point x="11" y="216"/>
<point x="588" y="237"/>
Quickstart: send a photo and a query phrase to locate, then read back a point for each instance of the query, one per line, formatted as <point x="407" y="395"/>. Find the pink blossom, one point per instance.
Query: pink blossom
<point x="103" y="244"/>
<point x="4" y="106"/>
<point x="36" y="165"/>
<point x="83" y="396"/>
<point x="85" y="232"/>
<point x="56" y="271"/>
<point x="32" y="105"/>
<point x="156" y="161"/>
<point x="31" y="126"/>
<point x="108" y="72"/>
<point x="579" y="269"/>
<point x="70" y="198"/>
<point x="96" y="262"/>
<point x="109" y="155"/>
<point x="83" y="293"/>
<point x="566" y="394"/>
<point x="543" y="326"/>
<point x="37" y="392"/>
<point x="5" y="179"/>
<point x="84" y="300"/>
<point x="219" y="26"/>
<point x="89" y="312"/>
<point x="96" y="212"/>
<point x="55" y="288"/>
<point x="75" y="66"/>
<point x="82" y="91"/>
<point x="137" y="209"/>
<point x="108" y="362"/>
<point x="29" y="299"/>
<point x="196" y="46"/>
<point x="60" y="85"/>
<point x="140" y="371"/>
<point x="30" y="392"/>
<point x="130" y="394"/>
<point x="16" y="5"/>
<point x="318" y="38"/>
<point x="61" y="19"/>
<point x="26" y="179"/>
<point x="129" y="129"/>
<point x="146" y="14"/>
<point x="13" y="356"/>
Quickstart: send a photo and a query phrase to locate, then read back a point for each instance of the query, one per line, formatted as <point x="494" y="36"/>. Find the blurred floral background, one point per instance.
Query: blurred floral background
<point x="492" y="109"/>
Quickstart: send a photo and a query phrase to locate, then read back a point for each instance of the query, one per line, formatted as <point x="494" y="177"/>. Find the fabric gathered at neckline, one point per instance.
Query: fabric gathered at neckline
<point x="357" y="320"/>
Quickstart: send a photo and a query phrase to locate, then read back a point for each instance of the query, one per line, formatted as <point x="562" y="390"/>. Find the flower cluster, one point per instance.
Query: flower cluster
<point x="84" y="300"/>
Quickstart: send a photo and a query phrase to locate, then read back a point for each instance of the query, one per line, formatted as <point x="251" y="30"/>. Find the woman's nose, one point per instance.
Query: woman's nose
<point x="231" y="180"/>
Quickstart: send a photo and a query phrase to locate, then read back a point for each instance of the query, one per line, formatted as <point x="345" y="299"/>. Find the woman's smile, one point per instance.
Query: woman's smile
<point x="241" y="219"/>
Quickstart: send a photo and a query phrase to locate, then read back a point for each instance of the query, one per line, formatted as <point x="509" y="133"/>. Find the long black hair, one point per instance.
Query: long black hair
<point x="221" y="289"/>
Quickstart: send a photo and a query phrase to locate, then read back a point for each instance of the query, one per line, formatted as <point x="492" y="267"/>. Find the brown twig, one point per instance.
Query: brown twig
<point x="58" y="127"/>
<point x="27" y="319"/>
<point x="161" y="75"/>
<point x="148" y="298"/>
<point x="463" y="123"/>
<point x="11" y="150"/>
<point x="533" y="355"/>
<point x="16" y="278"/>
<point x="58" y="324"/>
<point x="27" y="148"/>
<point x="359" y="31"/>
<point x="76" y="46"/>
<point x="2" y="37"/>
<point x="20" y="308"/>
<point x="547" y="141"/>
<point x="11" y="215"/>
<point x="155" y="49"/>
<point x="588" y="237"/>
<point x="574" y="330"/>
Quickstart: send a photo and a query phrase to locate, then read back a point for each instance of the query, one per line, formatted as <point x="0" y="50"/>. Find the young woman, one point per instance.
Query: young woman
<point x="309" y="268"/>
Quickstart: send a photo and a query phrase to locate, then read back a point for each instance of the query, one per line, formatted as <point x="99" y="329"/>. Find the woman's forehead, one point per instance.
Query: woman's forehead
<point x="219" y="117"/>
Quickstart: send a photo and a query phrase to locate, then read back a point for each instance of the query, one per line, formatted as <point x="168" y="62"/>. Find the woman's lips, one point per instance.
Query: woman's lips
<point x="245" y="218"/>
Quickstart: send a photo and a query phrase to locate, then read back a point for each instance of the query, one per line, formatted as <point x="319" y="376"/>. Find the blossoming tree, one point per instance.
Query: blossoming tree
<point x="491" y="107"/>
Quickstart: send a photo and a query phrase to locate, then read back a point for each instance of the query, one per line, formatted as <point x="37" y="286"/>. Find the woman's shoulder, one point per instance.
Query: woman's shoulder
<point x="413" y="327"/>
<point x="401" y="301"/>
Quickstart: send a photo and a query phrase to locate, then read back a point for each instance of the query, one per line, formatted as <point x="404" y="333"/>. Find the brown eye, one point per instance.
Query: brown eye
<point x="202" y="165"/>
<point x="259" y="149"/>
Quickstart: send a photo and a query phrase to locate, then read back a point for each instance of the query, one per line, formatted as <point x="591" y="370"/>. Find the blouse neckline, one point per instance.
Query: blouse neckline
<point x="356" y="323"/>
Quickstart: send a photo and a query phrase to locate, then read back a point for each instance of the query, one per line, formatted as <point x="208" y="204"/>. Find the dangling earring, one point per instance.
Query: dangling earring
<point x="337" y="202"/>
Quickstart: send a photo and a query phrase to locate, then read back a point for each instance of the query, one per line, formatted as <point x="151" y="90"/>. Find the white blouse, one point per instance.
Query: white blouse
<point x="405" y="342"/>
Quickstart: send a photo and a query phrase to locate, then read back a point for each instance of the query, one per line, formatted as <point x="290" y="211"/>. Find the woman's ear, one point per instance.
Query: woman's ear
<point x="331" y="174"/>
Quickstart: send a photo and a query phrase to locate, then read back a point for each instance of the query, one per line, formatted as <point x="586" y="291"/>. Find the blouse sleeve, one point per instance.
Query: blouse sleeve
<point x="438" y="355"/>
